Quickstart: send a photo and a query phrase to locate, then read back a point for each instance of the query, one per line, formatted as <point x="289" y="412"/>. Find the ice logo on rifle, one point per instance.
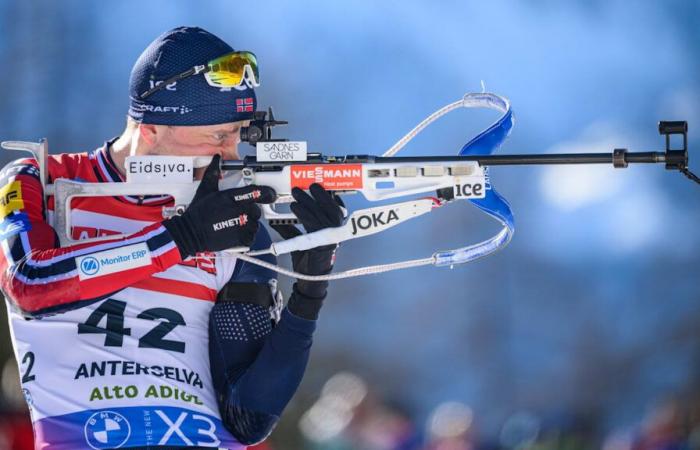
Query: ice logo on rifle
<point x="107" y="429"/>
<point x="89" y="265"/>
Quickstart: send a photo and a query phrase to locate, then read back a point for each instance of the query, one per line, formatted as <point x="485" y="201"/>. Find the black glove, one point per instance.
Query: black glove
<point x="317" y="211"/>
<point x="217" y="220"/>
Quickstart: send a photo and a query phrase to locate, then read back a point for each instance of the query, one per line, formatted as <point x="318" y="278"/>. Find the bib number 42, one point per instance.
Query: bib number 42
<point x="112" y="312"/>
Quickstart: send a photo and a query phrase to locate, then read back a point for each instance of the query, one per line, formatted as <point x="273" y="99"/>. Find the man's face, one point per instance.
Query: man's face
<point x="202" y="140"/>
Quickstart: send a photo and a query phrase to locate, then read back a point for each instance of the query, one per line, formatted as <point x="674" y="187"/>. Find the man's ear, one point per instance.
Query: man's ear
<point x="149" y="133"/>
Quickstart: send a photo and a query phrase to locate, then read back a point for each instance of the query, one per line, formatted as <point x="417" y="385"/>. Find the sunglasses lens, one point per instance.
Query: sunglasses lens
<point x="229" y="70"/>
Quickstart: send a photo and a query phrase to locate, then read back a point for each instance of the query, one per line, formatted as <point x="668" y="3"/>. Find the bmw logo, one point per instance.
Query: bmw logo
<point x="89" y="265"/>
<point x="107" y="429"/>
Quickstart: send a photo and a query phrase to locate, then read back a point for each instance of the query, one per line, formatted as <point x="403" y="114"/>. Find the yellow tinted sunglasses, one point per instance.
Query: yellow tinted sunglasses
<point x="229" y="70"/>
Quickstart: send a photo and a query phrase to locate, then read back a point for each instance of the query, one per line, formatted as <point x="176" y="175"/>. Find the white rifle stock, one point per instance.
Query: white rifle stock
<point x="379" y="181"/>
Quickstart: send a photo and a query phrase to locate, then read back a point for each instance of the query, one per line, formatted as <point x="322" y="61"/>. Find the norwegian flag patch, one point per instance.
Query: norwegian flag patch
<point x="244" y="104"/>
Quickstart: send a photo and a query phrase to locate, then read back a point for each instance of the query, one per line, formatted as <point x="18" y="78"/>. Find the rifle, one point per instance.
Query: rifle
<point x="282" y="165"/>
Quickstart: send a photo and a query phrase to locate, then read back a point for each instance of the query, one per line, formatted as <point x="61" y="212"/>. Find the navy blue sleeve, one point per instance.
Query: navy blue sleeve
<point x="256" y="368"/>
<point x="233" y="347"/>
<point x="254" y="394"/>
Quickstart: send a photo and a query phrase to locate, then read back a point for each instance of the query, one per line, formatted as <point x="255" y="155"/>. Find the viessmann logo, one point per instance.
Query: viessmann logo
<point x="330" y="176"/>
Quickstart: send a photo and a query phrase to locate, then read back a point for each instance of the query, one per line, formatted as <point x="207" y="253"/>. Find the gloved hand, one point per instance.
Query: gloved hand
<point x="317" y="211"/>
<point x="217" y="220"/>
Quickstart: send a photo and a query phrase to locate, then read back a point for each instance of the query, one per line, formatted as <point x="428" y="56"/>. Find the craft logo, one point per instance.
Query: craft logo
<point x="107" y="429"/>
<point x="244" y="104"/>
<point x="89" y="265"/>
<point x="182" y="109"/>
<point x="373" y="220"/>
<point x="330" y="176"/>
<point x="235" y="222"/>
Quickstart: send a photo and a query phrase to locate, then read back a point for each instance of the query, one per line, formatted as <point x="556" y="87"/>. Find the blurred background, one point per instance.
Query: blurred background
<point x="583" y="333"/>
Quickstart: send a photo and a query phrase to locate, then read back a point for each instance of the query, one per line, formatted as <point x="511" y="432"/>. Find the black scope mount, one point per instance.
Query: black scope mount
<point x="260" y="128"/>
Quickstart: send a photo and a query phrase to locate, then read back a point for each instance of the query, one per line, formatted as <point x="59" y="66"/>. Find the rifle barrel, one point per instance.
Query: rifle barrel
<point x="553" y="158"/>
<point x="619" y="158"/>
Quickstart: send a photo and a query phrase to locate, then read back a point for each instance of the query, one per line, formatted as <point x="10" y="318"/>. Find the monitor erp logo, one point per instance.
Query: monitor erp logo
<point x="107" y="429"/>
<point x="113" y="261"/>
<point x="89" y="265"/>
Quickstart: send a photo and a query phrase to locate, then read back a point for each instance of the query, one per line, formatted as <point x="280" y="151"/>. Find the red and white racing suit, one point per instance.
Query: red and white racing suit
<point x="111" y="336"/>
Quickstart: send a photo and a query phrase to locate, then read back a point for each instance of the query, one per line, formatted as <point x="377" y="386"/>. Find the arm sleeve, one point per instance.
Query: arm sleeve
<point x="253" y="401"/>
<point x="40" y="277"/>
<point x="239" y="323"/>
<point x="256" y="368"/>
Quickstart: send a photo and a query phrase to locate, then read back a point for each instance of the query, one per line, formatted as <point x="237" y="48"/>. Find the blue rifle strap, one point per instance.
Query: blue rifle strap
<point x="487" y="142"/>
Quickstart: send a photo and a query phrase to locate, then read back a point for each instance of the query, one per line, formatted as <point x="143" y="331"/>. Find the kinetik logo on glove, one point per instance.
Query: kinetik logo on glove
<point x="252" y="195"/>
<point x="234" y="222"/>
